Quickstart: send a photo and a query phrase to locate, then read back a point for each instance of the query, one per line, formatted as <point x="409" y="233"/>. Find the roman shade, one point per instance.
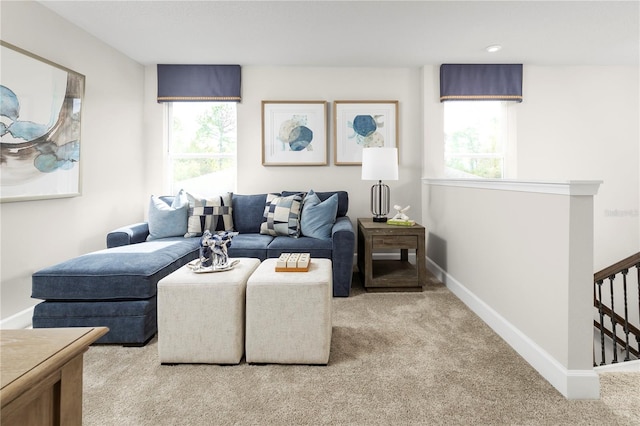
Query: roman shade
<point x="481" y="82"/>
<point x="198" y="83"/>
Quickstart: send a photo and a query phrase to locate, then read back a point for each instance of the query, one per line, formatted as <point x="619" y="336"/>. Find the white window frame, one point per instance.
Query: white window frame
<point x="508" y="136"/>
<point x="169" y="156"/>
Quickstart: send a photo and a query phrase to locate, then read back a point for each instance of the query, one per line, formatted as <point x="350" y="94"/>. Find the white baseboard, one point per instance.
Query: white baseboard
<point x="572" y="384"/>
<point x="18" y="321"/>
<point x="628" y="366"/>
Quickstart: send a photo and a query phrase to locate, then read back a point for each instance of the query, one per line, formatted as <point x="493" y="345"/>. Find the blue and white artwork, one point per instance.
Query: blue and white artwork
<point x="40" y="110"/>
<point x="294" y="133"/>
<point x="366" y="130"/>
<point x="363" y="124"/>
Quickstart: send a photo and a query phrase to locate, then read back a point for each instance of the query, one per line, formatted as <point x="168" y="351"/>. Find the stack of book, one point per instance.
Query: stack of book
<point x="293" y="262"/>
<point x="401" y="222"/>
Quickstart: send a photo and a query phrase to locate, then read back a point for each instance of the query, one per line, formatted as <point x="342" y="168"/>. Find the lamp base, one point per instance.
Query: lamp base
<point x="380" y="202"/>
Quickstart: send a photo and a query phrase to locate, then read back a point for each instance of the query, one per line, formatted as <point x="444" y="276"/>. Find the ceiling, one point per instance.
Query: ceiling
<point x="363" y="33"/>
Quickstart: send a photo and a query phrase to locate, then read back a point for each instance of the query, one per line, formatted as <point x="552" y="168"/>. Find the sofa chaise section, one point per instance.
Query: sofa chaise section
<point x="115" y="288"/>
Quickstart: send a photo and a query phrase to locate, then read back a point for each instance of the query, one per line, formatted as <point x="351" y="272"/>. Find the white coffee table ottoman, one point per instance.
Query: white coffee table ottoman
<point x="288" y="317"/>
<point x="201" y="315"/>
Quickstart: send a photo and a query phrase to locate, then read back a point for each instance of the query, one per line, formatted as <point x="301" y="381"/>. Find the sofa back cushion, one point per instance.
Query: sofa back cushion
<point x="343" y="199"/>
<point x="248" y="212"/>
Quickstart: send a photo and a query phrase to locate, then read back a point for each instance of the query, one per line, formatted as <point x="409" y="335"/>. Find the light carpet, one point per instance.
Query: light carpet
<point x="396" y="359"/>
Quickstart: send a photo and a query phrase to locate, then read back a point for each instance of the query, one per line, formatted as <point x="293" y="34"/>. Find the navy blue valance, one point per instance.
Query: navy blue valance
<point x="481" y="82"/>
<point x="198" y="83"/>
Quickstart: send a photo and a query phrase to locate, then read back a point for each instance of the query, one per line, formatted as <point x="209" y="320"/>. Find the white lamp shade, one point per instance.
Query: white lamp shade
<point x="380" y="164"/>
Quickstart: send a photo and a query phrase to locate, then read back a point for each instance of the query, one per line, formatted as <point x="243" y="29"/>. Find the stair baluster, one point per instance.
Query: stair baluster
<point x="601" y="311"/>
<point x="613" y="321"/>
<point x="637" y="265"/>
<point x="626" y="314"/>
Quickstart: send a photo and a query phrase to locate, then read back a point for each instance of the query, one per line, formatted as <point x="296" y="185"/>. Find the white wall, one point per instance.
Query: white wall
<point x="36" y="234"/>
<point x="328" y="84"/>
<point x="584" y="123"/>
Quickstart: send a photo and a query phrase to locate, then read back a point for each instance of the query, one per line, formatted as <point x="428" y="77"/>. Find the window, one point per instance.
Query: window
<point x="479" y="139"/>
<point x="202" y="139"/>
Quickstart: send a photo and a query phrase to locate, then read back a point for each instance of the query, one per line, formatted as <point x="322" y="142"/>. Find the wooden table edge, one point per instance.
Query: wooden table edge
<point x="51" y="365"/>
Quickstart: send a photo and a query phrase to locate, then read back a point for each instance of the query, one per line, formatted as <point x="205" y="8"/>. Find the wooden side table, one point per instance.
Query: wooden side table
<point x="41" y="374"/>
<point x="389" y="275"/>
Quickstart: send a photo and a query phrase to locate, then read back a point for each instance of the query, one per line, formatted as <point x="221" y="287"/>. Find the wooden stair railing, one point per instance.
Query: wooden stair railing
<point x="616" y="319"/>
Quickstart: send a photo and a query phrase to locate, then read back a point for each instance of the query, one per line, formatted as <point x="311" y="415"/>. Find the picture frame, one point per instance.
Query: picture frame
<point x="41" y="122"/>
<point x="360" y="124"/>
<point x="294" y="133"/>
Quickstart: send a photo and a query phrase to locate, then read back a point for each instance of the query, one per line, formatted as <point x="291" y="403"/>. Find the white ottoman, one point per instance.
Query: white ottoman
<point x="289" y="314"/>
<point x="201" y="316"/>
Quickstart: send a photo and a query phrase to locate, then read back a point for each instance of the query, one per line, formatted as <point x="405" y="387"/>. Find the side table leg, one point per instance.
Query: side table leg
<point x="368" y="263"/>
<point x="421" y="261"/>
<point x="404" y="255"/>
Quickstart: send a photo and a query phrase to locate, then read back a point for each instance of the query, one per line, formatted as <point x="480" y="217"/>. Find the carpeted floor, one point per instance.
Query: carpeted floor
<point x="396" y="359"/>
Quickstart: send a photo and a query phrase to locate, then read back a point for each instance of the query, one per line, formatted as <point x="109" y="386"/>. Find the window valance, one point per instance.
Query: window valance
<point x="481" y="82"/>
<point x="198" y="83"/>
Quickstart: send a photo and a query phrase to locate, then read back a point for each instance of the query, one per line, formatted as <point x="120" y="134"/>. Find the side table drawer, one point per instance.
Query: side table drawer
<point x="395" y="241"/>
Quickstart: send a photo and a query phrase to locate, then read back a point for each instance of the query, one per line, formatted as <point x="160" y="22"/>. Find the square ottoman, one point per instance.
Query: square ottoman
<point x="289" y="314"/>
<point x="201" y="315"/>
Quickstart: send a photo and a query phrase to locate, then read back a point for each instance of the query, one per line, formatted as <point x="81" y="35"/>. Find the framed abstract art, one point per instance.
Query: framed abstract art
<point x="363" y="124"/>
<point x="40" y="112"/>
<point x="294" y="133"/>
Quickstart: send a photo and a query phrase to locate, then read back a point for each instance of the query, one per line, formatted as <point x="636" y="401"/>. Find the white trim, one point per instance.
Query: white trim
<point x="572" y="384"/>
<point x="570" y="187"/>
<point x="626" y="366"/>
<point x="22" y="319"/>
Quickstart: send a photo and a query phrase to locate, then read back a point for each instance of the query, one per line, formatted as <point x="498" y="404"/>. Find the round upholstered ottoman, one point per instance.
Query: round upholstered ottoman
<point x="289" y="314"/>
<point x="201" y="315"/>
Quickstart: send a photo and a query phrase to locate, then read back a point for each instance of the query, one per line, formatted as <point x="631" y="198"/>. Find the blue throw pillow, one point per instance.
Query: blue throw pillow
<point x="317" y="218"/>
<point x="168" y="220"/>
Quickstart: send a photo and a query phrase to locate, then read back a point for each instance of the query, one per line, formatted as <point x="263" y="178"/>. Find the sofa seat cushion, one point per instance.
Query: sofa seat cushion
<point x="250" y="245"/>
<point x="314" y="246"/>
<point x="125" y="272"/>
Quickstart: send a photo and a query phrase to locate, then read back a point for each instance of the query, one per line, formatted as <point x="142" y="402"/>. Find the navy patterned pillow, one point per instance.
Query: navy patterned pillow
<point x="213" y="213"/>
<point x="282" y="216"/>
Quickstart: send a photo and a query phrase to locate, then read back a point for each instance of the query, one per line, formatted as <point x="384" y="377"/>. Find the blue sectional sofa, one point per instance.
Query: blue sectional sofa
<point x="116" y="287"/>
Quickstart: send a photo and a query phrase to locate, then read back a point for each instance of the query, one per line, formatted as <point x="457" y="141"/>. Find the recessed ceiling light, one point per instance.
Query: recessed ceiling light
<point x="493" y="48"/>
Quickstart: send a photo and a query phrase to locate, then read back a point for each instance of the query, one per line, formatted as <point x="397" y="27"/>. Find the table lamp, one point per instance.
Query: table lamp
<point x="380" y="164"/>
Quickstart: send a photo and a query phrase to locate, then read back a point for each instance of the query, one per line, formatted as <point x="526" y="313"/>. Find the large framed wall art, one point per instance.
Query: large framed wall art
<point x="363" y="124"/>
<point x="40" y="112"/>
<point x="294" y="133"/>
